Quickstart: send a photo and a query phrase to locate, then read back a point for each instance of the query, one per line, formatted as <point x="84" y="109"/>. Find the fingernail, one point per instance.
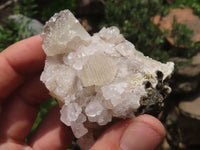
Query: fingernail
<point x="140" y="136"/>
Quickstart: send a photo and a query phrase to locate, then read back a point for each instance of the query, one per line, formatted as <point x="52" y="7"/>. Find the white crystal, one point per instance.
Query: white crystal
<point x="70" y="113"/>
<point x="94" y="108"/>
<point x="98" y="70"/>
<point x="61" y="35"/>
<point x="78" y="129"/>
<point x="114" y="91"/>
<point x="77" y="126"/>
<point x="125" y="48"/>
<point x="97" y="77"/>
<point x="112" y="35"/>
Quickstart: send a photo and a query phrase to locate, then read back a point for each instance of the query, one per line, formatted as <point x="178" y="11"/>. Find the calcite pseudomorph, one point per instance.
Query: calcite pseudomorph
<point x="96" y="78"/>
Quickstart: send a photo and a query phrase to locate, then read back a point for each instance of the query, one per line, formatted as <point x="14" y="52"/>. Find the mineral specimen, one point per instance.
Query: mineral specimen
<point x="100" y="77"/>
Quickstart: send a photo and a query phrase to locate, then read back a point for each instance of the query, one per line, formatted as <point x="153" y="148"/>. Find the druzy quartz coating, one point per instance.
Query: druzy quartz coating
<point x="100" y="77"/>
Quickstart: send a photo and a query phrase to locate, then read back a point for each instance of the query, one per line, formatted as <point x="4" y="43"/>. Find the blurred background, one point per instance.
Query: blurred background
<point x="166" y="30"/>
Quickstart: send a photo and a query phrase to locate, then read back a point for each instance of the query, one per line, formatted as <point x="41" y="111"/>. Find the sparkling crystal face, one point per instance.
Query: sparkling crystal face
<point x="96" y="78"/>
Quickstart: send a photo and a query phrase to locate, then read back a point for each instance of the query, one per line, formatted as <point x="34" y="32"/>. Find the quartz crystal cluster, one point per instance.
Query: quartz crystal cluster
<point x="100" y="77"/>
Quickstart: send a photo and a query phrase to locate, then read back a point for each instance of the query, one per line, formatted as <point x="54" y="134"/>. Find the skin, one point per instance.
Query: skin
<point x="21" y="93"/>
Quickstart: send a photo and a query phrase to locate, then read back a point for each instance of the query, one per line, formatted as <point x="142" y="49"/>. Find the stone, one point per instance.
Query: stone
<point x="100" y="77"/>
<point x="30" y="25"/>
<point x="184" y="16"/>
<point x="187" y="87"/>
<point x="177" y="60"/>
<point x="196" y="59"/>
<point x="189" y="70"/>
<point x="191" y="108"/>
<point x="186" y="77"/>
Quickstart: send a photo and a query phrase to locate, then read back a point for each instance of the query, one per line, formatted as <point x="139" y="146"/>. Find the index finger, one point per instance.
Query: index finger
<point x="19" y="61"/>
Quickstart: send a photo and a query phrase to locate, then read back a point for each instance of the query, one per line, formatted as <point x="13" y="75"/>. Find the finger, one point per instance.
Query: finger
<point x="19" y="60"/>
<point x="142" y="133"/>
<point x="51" y="133"/>
<point x="25" y="54"/>
<point x="20" y="110"/>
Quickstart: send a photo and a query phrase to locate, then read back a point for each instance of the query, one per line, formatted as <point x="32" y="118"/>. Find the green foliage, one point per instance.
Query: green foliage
<point x="194" y="4"/>
<point x="14" y="32"/>
<point x="191" y="51"/>
<point x="9" y="34"/>
<point x="55" y="6"/>
<point x="182" y="34"/>
<point x="6" y="38"/>
<point x="26" y="7"/>
<point x="133" y="18"/>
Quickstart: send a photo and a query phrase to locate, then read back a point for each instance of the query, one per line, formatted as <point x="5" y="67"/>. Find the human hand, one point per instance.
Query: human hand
<point x="21" y="93"/>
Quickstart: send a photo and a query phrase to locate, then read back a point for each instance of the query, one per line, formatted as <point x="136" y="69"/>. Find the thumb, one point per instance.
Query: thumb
<point x="141" y="133"/>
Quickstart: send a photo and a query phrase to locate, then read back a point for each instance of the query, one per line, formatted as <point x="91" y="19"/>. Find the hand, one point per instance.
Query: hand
<point x="21" y="93"/>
